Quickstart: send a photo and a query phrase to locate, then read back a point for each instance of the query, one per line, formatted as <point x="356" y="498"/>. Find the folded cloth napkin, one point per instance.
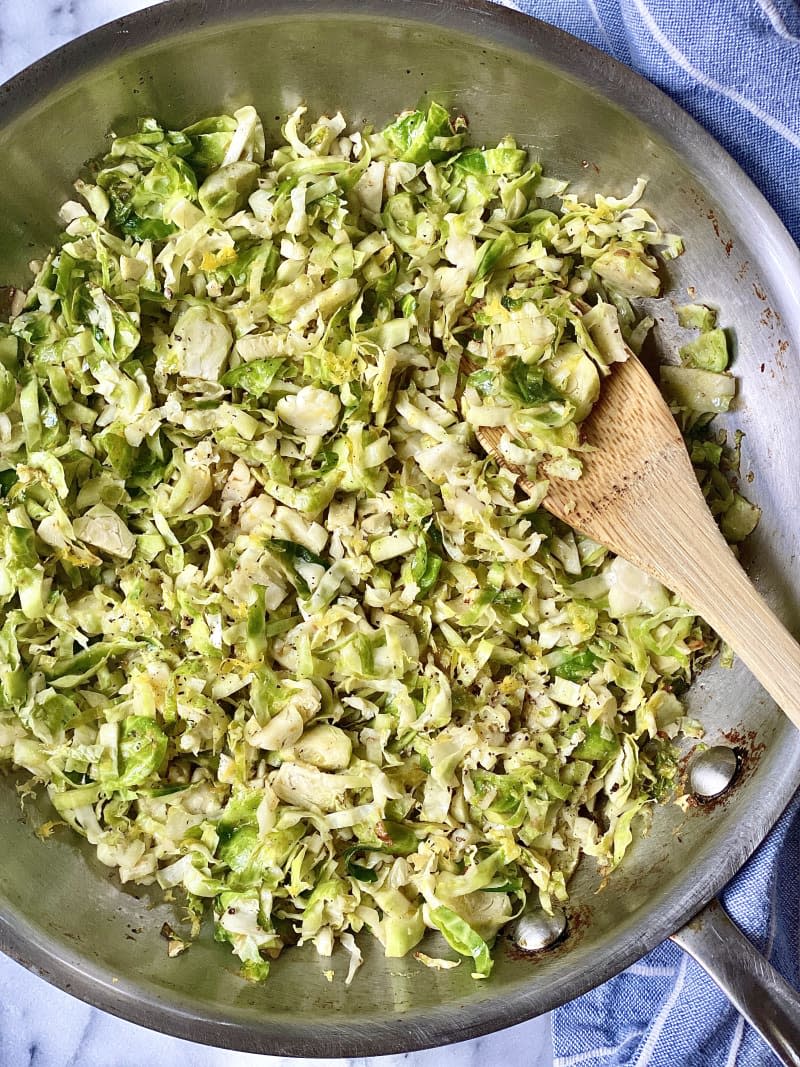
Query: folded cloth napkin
<point x="735" y="66"/>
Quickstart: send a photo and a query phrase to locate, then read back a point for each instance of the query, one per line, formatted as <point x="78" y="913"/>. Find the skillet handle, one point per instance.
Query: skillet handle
<point x="753" y="986"/>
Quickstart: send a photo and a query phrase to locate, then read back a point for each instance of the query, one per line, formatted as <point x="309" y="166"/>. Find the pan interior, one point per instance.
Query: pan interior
<point x="64" y="913"/>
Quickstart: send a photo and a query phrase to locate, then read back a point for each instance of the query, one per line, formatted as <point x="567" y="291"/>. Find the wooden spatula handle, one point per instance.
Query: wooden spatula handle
<point x="714" y="584"/>
<point x="639" y="495"/>
<point x="673" y="536"/>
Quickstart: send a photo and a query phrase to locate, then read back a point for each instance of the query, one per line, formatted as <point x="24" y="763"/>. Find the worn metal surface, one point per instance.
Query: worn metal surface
<point x="589" y="119"/>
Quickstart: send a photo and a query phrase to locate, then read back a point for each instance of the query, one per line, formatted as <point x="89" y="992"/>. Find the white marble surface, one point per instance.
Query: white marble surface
<point x="39" y="1025"/>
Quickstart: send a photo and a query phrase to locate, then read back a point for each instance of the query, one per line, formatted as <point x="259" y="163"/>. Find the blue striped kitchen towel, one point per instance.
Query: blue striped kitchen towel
<point x="735" y="66"/>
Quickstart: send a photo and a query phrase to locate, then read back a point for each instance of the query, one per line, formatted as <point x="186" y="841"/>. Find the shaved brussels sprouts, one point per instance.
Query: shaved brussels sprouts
<point x="275" y="634"/>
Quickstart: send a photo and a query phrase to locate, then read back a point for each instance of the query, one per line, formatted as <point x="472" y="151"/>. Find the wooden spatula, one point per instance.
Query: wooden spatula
<point x="638" y="495"/>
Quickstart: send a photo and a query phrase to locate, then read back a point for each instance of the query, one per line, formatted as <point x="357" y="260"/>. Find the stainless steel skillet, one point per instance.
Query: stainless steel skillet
<point x="591" y="120"/>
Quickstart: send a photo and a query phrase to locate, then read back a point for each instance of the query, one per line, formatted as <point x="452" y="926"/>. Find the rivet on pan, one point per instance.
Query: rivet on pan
<point x="713" y="771"/>
<point x="536" y="929"/>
